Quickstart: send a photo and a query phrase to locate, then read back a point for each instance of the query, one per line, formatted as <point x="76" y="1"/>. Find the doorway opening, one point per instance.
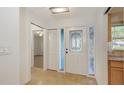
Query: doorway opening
<point x="37" y="46"/>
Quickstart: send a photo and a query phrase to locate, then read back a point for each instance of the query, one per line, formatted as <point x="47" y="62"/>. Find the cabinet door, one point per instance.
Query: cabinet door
<point x="116" y="76"/>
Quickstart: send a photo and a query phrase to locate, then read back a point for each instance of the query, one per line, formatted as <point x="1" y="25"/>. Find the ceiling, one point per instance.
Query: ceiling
<point x="75" y="12"/>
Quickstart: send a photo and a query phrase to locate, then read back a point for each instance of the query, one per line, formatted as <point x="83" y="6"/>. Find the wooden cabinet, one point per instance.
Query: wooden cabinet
<point x="116" y="72"/>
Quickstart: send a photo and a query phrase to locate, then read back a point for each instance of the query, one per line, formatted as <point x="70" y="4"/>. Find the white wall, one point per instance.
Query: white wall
<point x="101" y="47"/>
<point x="9" y="38"/>
<point x="26" y="44"/>
<point x="70" y="22"/>
<point x="15" y="35"/>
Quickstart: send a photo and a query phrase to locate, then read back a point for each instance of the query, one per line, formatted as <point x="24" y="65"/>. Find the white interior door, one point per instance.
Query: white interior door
<point x="76" y="50"/>
<point x="53" y="50"/>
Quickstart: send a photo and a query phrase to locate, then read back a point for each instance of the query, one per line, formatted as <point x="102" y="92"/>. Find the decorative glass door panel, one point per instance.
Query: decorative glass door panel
<point x="75" y="38"/>
<point x="91" y="57"/>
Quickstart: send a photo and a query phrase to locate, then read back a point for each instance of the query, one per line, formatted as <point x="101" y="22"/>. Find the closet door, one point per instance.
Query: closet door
<point x="53" y="50"/>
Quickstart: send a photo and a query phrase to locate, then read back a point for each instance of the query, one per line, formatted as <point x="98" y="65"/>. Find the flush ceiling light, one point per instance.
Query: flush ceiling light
<point x="56" y="10"/>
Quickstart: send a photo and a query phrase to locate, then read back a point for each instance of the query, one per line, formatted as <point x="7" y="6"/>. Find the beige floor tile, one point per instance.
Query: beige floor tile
<point x="38" y="61"/>
<point x="40" y="77"/>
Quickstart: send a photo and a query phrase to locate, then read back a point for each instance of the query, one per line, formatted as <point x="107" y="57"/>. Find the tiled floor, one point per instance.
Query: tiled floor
<point x="38" y="61"/>
<point x="40" y="77"/>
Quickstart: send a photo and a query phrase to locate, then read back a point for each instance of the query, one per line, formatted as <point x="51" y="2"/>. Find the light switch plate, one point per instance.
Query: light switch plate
<point x="4" y="51"/>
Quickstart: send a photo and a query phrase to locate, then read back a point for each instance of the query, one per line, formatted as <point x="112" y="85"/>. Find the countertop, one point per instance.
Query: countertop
<point x="116" y="55"/>
<point x="116" y="58"/>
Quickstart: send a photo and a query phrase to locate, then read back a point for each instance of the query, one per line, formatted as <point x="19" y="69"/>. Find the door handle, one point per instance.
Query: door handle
<point x="66" y="52"/>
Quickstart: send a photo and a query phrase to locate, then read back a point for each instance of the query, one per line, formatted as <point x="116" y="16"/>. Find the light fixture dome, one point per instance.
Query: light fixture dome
<point x="56" y="10"/>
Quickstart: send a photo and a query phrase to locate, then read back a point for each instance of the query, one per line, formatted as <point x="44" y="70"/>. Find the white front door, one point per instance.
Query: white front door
<point x="76" y="50"/>
<point x="53" y="49"/>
